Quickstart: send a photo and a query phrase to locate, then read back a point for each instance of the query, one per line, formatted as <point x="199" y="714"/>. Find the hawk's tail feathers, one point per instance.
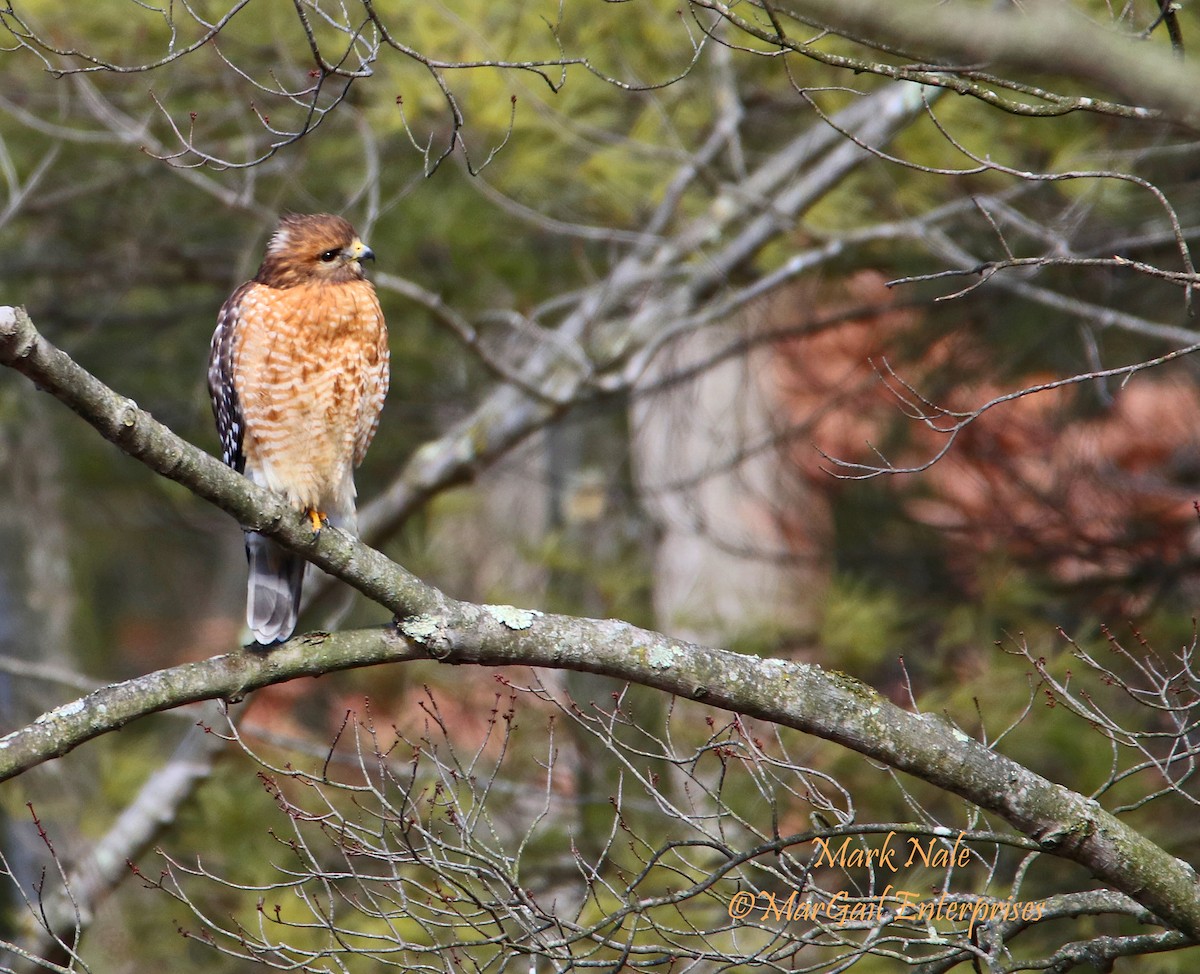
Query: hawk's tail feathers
<point x="272" y="590"/>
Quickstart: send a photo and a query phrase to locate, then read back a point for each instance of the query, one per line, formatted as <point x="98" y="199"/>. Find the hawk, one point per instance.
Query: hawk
<point x="297" y="372"/>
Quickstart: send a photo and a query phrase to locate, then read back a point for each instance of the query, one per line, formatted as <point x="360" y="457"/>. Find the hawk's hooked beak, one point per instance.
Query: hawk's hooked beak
<point x="359" y="251"/>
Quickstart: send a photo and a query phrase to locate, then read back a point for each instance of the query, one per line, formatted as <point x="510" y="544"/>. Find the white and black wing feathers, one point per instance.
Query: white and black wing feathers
<point x="226" y="408"/>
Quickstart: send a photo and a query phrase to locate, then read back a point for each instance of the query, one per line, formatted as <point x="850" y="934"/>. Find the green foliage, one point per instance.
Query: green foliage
<point x="864" y="627"/>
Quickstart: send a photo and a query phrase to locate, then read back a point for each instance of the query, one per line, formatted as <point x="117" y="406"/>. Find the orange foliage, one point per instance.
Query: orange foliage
<point x="1090" y="498"/>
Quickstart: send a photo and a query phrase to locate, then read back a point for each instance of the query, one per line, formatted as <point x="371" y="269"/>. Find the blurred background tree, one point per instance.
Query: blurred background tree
<point x="640" y="269"/>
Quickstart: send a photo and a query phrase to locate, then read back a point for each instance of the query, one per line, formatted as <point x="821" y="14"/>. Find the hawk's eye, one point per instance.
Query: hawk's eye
<point x="330" y="255"/>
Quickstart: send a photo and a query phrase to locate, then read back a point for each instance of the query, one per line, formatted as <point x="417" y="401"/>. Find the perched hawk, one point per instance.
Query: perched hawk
<point x="297" y="374"/>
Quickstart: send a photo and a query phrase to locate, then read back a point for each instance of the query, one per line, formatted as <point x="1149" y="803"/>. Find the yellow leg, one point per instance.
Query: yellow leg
<point x="317" y="518"/>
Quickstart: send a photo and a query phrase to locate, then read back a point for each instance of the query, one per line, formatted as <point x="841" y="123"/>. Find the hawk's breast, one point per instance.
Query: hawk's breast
<point x="311" y="373"/>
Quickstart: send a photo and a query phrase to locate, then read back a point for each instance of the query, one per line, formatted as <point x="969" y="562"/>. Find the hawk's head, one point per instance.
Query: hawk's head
<point x="313" y="248"/>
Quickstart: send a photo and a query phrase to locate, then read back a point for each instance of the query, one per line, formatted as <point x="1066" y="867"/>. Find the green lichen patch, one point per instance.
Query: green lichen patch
<point x="511" y="616"/>
<point x="662" y="657"/>
<point x="419" y="628"/>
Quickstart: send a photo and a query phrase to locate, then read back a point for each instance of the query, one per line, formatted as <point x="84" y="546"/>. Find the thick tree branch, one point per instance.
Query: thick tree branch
<point x="827" y="704"/>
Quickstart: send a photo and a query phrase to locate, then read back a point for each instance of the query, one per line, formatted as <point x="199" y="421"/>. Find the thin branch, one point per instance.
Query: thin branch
<point x="950" y="423"/>
<point x="1156" y="82"/>
<point x="70" y="911"/>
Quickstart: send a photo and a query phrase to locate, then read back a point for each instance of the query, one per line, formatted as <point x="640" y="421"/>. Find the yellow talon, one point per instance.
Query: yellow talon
<point x="317" y="518"/>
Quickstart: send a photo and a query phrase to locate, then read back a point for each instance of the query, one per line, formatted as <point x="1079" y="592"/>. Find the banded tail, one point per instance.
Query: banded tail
<point x="272" y="589"/>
